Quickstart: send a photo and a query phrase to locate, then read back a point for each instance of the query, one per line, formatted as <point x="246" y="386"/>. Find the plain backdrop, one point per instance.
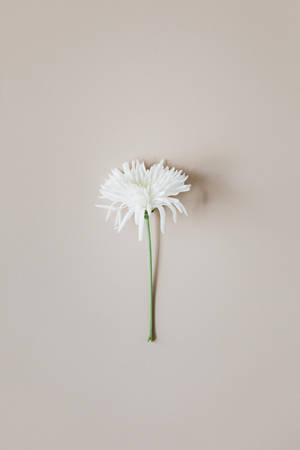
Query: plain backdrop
<point x="212" y="87"/>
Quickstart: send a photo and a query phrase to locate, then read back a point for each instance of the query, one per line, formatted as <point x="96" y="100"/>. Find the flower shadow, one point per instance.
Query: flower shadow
<point x="208" y="186"/>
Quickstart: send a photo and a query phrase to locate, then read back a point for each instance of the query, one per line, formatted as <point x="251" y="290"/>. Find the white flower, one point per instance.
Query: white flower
<point x="136" y="190"/>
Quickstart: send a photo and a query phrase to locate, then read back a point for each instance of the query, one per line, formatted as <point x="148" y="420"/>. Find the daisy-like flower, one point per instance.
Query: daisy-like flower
<point x="137" y="191"/>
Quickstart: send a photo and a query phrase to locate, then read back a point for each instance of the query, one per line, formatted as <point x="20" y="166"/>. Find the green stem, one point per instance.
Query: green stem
<point x="150" y="338"/>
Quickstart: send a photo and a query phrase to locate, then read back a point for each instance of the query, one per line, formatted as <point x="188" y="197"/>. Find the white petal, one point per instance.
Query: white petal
<point x="126" y="168"/>
<point x="178" y="205"/>
<point x="162" y="218"/>
<point x="125" y="219"/>
<point x="141" y="225"/>
<point x="184" y="210"/>
<point x="171" y="207"/>
<point x="108" y="214"/>
<point x="118" y="218"/>
<point x="136" y="216"/>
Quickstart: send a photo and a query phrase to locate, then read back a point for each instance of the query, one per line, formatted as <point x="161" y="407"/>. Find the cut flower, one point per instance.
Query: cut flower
<point x="135" y="190"/>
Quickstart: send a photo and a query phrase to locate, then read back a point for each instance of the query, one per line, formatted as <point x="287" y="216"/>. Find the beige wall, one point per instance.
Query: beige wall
<point x="213" y="87"/>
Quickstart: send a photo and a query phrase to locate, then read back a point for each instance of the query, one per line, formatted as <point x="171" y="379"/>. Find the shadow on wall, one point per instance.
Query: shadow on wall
<point x="208" y="187"/>
<point x="209" y="180"/>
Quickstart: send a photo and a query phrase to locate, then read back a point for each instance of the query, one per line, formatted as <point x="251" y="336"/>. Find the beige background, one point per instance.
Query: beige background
<point x="213" y="87"/>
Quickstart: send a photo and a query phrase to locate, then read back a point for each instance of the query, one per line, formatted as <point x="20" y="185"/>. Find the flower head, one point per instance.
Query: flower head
<point x="136" y="190"/>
